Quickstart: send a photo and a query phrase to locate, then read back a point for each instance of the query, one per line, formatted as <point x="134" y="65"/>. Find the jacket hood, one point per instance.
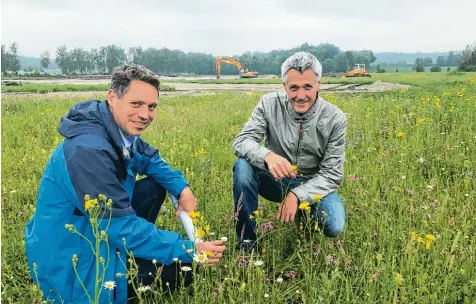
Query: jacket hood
<point x="90" y="117"/>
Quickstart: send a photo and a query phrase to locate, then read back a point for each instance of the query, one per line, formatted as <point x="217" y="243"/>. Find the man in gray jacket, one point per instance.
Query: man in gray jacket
<point x="302" y="159"/>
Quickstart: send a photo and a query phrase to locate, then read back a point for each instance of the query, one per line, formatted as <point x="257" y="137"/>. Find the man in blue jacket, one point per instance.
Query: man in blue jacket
<point x="101" y="155"/>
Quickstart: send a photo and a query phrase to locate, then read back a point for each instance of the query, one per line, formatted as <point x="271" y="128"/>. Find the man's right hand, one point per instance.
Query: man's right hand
<point x="278" y="166"/>
<point x="215" y="247"/>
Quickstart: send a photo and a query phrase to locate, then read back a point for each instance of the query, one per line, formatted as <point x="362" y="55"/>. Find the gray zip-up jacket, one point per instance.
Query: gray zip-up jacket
<point x="314" y="141"/>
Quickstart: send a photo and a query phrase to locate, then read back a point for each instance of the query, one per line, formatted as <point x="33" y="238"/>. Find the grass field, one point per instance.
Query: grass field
<point x="409" y="193"/>
<point x="48" y="88"/>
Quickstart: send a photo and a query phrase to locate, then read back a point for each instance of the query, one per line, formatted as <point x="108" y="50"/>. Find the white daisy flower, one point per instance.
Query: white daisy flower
<point x="109" y="285"/>
<point x="143" y="288"/>
<point x="186" y="268"/>
<point x="258" y="263"/>
<point x="200" y="258"/>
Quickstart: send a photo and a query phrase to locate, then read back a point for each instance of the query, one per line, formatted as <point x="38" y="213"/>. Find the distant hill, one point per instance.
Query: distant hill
<point x="409" y="58"/>
<point x="34" y="63"/>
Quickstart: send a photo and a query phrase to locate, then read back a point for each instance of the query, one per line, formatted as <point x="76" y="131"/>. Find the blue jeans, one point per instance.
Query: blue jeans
<point x="147" y="199"/>
<point x="249" y="181"/>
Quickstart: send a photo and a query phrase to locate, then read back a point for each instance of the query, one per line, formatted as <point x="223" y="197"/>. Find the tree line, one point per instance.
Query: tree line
<point x="465" y="61"/>
<point x="167" y="61"/>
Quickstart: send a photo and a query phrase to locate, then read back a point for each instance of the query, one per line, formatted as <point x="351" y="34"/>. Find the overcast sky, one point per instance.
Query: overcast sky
<point x="211" y="26"/>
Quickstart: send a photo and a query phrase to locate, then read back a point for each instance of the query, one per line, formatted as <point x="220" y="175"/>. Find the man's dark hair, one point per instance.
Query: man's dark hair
<point x="122" y="77"/>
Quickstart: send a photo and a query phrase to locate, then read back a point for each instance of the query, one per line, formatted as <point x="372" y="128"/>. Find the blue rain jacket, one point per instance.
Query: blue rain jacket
<point x="91" y="161"/>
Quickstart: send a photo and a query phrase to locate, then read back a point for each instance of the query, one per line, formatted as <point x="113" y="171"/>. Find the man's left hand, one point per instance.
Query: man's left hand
<point x="288" y="209"/>
<point x="187" y="202"/>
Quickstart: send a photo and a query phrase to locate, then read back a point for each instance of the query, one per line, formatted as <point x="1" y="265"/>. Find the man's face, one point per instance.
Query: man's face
<point x="302" y="89"/>
<point x="136" y="109"/>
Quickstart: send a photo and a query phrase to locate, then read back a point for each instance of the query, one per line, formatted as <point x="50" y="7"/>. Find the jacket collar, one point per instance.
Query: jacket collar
<point x="306" y="116"/>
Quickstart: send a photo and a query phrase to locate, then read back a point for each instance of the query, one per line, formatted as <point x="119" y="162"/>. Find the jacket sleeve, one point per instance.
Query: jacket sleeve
<point x="93" y="172"/>
<point x="247" y="143"/>
<point x="331" y="169"/>
<point x="153" y="165"/>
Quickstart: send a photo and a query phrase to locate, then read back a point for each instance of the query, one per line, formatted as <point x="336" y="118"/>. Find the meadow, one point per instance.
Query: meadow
<point x="409" y="192"/>
<point x="48" y="88"/>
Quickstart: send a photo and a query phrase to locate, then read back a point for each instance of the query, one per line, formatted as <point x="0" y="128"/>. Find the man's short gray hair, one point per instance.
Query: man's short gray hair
<point x="301" y="62"/>
<point x="122" y="77"/>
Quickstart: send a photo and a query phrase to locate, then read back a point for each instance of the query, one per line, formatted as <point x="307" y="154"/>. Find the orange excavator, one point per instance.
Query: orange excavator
<point x="243" y="71"/>
<point x="358" y="71"/>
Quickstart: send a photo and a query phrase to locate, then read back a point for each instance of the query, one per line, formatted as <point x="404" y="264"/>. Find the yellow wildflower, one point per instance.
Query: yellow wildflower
<point x="304" y="206"/>
<point x="430" y="237"/>
<point x="428" y="244"/>
<point x="317" y="197"/>
<point x="91" y="203"/>
<point x="194" y="214"/>
<point x="400" y="133"/>
<point x="413" y="236"/>
<point x="257" y="212"/>
<point x="420" y="121"/>
<point x="201" y="233"/>
<point x="295" y="168"/>
<point x="419" y="239"/>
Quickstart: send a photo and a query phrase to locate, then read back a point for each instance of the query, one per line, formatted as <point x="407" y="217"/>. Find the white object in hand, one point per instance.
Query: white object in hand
<point x="186" y="222"/>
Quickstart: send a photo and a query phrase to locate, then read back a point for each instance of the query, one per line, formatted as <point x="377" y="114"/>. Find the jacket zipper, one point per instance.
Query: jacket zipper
<point x="301" y="131"/>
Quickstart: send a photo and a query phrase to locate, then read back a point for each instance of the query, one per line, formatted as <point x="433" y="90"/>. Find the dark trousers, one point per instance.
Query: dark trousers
<point x="147" y="200"/>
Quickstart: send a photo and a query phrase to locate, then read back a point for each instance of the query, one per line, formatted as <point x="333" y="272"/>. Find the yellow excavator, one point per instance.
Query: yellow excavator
<point x="243" y="71"/>
<point x="358" y="71"/>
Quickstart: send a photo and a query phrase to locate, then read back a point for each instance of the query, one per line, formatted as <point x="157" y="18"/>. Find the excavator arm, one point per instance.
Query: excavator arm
<point x="243" y="72"/>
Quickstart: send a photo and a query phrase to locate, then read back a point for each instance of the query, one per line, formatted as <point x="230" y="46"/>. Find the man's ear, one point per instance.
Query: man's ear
<point x="111" y="97"/>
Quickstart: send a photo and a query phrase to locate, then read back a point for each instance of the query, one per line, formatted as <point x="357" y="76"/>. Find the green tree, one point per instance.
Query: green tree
<point x="115" y="56"/>
<point x="13" y="61"/>
<point x="468" y="59"/>
<point x="341" y="63"/>
<point x="45" y="59"/>
<point x="351" y="57"/>
<point x="441" y="60"/>
<point x="451" y="59"/>
<point x="328" y="66"/>
<point x="418" y="65"/>
<point x="4" y="59"/>
<point x="427" y="61"/>
<point x="62" y="59"/>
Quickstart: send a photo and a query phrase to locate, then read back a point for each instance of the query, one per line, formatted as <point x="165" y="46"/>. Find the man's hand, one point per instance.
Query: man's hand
<point x="215" y="247"/>
<point x="187" y="202"/>
<point x="287" y="210"/>
<point x="278" y="166"/>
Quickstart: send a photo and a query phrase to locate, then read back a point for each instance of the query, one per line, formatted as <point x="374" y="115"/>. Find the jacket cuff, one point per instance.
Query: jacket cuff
<point x="301" y="194"/>
<point x="178" y="187"/>
<point x="260" y="156"/>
